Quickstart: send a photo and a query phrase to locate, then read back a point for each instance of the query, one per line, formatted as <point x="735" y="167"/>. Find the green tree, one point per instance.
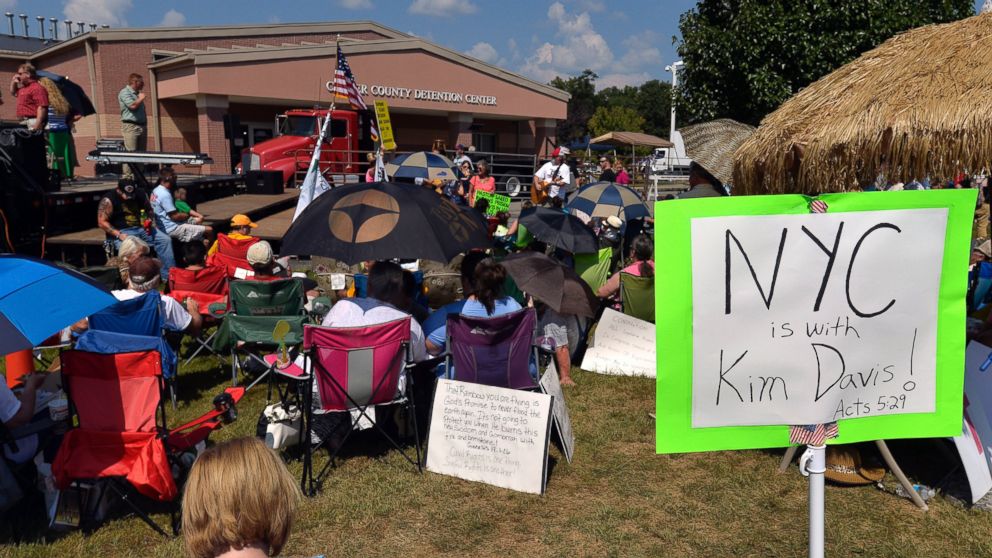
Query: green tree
<point x="745" y="57"/>
<point x="581" y="106"/>
<point x="654" y="103"/>
<point x="615" y="119"/>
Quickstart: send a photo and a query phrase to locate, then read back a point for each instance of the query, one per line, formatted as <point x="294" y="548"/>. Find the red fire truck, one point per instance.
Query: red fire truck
<point x="341" y="157"/>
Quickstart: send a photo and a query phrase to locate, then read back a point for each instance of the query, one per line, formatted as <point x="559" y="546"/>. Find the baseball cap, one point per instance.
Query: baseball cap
<point x="144" y="269"/>
<point x="259" y="253"/>
<point x="242" y="220"/>
<point x="127" y="187"/>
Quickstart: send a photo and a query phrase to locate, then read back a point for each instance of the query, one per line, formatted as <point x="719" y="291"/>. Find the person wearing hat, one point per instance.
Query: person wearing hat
<point x="461" y="157"/>
<point x="554" y="175"/>
<point x="979" y="274"/>
<point x="606" y="167"/>
<point x="144" y="275"/>
<point x="241" y="227"/>
<point x="711" y="146"/>
<point x="126" y="211"/>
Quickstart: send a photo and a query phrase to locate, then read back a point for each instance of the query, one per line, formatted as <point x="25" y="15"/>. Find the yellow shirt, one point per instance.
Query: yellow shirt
<point x="233" y="236"/>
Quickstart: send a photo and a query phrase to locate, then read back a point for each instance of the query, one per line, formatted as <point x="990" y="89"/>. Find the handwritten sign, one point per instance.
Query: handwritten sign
<point x="800" y="318"/>
<point x="497" y="202"/>
<point x="623" y="346"/>
<point x="974" y="444"/>
<point x="487" y="434"/>
<point x="551" y="385"/>
<point x="385" y="126"/>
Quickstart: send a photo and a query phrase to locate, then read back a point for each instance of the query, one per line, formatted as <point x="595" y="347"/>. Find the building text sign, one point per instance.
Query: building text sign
<point x="801" y="318"/>
<point x="429" y="95"/>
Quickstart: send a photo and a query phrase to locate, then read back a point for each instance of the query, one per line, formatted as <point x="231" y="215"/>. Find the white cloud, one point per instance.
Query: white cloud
<point x="173" y="18"/>
<point x="580" y="46"/>
<point x="483" y="51"/>
<point x="109" y="12"/>
<point x="356" y="4"/>
<point x="442" y="8"/>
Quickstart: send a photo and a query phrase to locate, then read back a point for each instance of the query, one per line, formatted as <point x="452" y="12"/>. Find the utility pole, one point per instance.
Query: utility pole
<point x="674" y="68"/>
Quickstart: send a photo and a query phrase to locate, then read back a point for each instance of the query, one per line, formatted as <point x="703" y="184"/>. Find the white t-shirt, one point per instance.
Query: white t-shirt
<point x="9" y="403"/>
<point x="546" y="172"/>
<point x="357" y="312"/>
<point x="176" y="316"/>
<point x="463" y="157"/>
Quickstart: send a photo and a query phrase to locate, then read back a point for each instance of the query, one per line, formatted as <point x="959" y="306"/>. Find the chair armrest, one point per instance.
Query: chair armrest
<point x="217" y="309"/>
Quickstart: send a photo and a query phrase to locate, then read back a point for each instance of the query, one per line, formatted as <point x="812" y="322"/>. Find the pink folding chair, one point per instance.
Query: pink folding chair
<point x="356" y="368"/>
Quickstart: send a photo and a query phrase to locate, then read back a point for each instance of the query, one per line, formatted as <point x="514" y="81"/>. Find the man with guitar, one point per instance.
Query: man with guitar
<point x="552" y="179"/>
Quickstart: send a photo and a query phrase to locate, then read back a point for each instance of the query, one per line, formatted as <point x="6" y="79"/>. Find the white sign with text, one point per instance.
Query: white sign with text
<point x="623" y="345"/>
<point x="488" y="434"/>
<point x="820" y="316"/>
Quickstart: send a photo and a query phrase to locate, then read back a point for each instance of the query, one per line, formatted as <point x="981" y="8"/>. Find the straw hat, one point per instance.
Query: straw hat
<point x="844" y="466"/>
<point x="712" y="145"/>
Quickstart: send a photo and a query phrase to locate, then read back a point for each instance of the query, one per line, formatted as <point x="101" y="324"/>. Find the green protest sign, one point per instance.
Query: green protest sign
<point x="769" y="316"/>
<point x="497" y="202"/>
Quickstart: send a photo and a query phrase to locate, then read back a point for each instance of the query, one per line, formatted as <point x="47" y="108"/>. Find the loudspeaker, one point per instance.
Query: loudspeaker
<point x="264" y="182"/>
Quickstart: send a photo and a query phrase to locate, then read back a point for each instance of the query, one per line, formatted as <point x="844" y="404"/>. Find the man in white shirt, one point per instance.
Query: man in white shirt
<point x="461" y="156"/>
<point x="385" y="287"/>
<point x="555" y="173"/>
<point x="144" y="277"/>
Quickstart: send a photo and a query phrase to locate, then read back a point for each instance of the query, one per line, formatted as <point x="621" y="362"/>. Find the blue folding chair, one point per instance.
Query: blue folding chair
<point x="133" y="325"/>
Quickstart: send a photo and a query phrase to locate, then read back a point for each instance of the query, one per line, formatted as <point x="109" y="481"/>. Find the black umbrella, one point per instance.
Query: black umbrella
<point x="72" y="92"/>
<point x="551" y="283"/>
<point x="383" y="220"/>
<point x="557" y="228"/>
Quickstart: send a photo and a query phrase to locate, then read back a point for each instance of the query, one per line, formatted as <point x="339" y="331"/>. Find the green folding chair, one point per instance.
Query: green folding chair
<point x="594" y="269"/>
<point x="637" y="296"/>
<point x="254" y="309"/>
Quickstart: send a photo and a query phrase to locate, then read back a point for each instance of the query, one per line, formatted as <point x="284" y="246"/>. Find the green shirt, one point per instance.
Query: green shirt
<point x="126" y="98"/>
<point x="182" y="206"/>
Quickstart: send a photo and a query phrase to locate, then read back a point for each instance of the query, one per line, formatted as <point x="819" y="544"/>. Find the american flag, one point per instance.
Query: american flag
<point x="812" y="434"/>
<point x="345" y="88"/>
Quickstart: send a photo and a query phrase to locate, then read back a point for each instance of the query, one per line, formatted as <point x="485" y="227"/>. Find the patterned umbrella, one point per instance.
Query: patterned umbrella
<point x="421" y="164"/>
<point x="603" y="199"/>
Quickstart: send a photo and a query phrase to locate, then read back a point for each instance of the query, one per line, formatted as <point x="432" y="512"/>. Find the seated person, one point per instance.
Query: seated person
<point x="552" y="336"/>
<point x="17" y="411"/>
<point x="195" y="256"/>
<point x="181" y="226"/>
<point x="483" y="286"/>
<point x="143" y="278"/>
<point x="263" y="263"/>
<point x="132" y="248"/>
<point x="184" y="207"/>
<point x="408" y="302"/>
<point x="642" y="252"/>
<point x="241" y="227"/>
<point x="385" y="289"/>
<point x="239" y="500"/>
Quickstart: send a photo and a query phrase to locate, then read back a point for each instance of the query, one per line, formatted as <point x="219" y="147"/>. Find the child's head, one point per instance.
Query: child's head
<point x="503" y="217"/>
<point x="181" y="194"/>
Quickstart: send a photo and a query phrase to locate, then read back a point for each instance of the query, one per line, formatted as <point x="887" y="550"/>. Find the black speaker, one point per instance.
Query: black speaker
<point x="264" y="182"/>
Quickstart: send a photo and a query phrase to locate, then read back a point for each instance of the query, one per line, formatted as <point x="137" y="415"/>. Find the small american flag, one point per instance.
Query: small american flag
<point x="812" y="434"/>
<point x="818" y="206"/>
<point x="345" y="88"/>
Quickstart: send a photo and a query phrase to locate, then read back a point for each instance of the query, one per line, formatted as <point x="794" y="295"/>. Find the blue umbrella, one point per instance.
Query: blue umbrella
<point x="603" y="199"/>
<point x="38" y="298"/>
<point x="421" y="164"/>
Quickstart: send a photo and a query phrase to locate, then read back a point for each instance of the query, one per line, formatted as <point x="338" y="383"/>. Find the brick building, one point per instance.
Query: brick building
<point x="196" y="75"/>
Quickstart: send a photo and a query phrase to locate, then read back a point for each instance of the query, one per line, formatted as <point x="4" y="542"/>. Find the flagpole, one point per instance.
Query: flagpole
<point x="813" y="464"/>
<point x="308" y="190"/>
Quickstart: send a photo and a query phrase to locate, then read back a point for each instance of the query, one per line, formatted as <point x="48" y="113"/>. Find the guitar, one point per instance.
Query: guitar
<point x="539" y="190"/>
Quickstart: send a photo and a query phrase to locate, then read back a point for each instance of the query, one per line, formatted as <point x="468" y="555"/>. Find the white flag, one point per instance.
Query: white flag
<point x="380" y="168"/>
<point x="314" y="184"/>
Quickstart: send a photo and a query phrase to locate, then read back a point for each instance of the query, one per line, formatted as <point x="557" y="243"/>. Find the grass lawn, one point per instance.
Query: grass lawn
<point x="616" y="499"/>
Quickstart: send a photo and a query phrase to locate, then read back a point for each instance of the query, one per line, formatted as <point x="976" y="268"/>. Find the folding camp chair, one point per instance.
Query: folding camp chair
<point x="495" y="351"/>
<point x="594" y="268"/>
<point x="356" y="368"/>
<point x="138" y="317"/>
<point x="232" y="255"/>
<point x="637" y="296"/>
<point x="208" y="287"/>
<point x="254" y="309"/>
<point x="121" y="435"/>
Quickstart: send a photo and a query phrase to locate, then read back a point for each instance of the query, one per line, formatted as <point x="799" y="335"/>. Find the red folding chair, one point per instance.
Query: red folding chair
<point x="356" y="368"/>
<point x="121" y="434"/>
<point x="232" y="255"/>
<point x="208" y="287"/>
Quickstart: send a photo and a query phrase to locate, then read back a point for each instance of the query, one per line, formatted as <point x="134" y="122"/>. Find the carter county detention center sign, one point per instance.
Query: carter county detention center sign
<point x="768" y="316"/>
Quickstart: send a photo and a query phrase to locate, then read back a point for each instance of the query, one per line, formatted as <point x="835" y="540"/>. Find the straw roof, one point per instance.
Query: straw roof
<point x="631" y="138"/>
<point x="918" y="105"/>
<point x="713" y="144"/>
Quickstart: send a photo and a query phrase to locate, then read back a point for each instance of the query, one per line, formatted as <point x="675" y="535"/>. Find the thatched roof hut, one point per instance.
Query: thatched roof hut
<point x="918" y="105"/>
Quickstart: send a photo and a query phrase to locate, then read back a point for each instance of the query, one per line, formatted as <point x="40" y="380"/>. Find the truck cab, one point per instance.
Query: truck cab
<point x="291" y="150"/>
<point x="671" y="160"/>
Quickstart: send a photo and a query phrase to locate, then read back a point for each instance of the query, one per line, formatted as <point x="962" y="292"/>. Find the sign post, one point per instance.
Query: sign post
<point x="854" y="316"/>
<point x="385" y="126"/>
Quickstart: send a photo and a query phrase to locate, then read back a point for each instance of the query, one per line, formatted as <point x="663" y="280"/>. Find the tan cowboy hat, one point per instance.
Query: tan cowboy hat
<point x="844" y="466"/>
<point x="712" y="145"/>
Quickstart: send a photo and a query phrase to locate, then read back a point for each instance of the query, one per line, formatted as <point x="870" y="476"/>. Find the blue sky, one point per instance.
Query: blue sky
<point x="625" y="42"/>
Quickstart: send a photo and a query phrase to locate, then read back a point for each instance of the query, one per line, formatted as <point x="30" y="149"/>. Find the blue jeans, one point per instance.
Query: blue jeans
<point x="161" y="242"/>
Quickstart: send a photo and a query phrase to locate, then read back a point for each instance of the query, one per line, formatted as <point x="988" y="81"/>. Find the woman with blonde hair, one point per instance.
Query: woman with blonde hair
<point x="131" y="249"/>
<point x="60" y="119"/>
<point x="239" y="501"/>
